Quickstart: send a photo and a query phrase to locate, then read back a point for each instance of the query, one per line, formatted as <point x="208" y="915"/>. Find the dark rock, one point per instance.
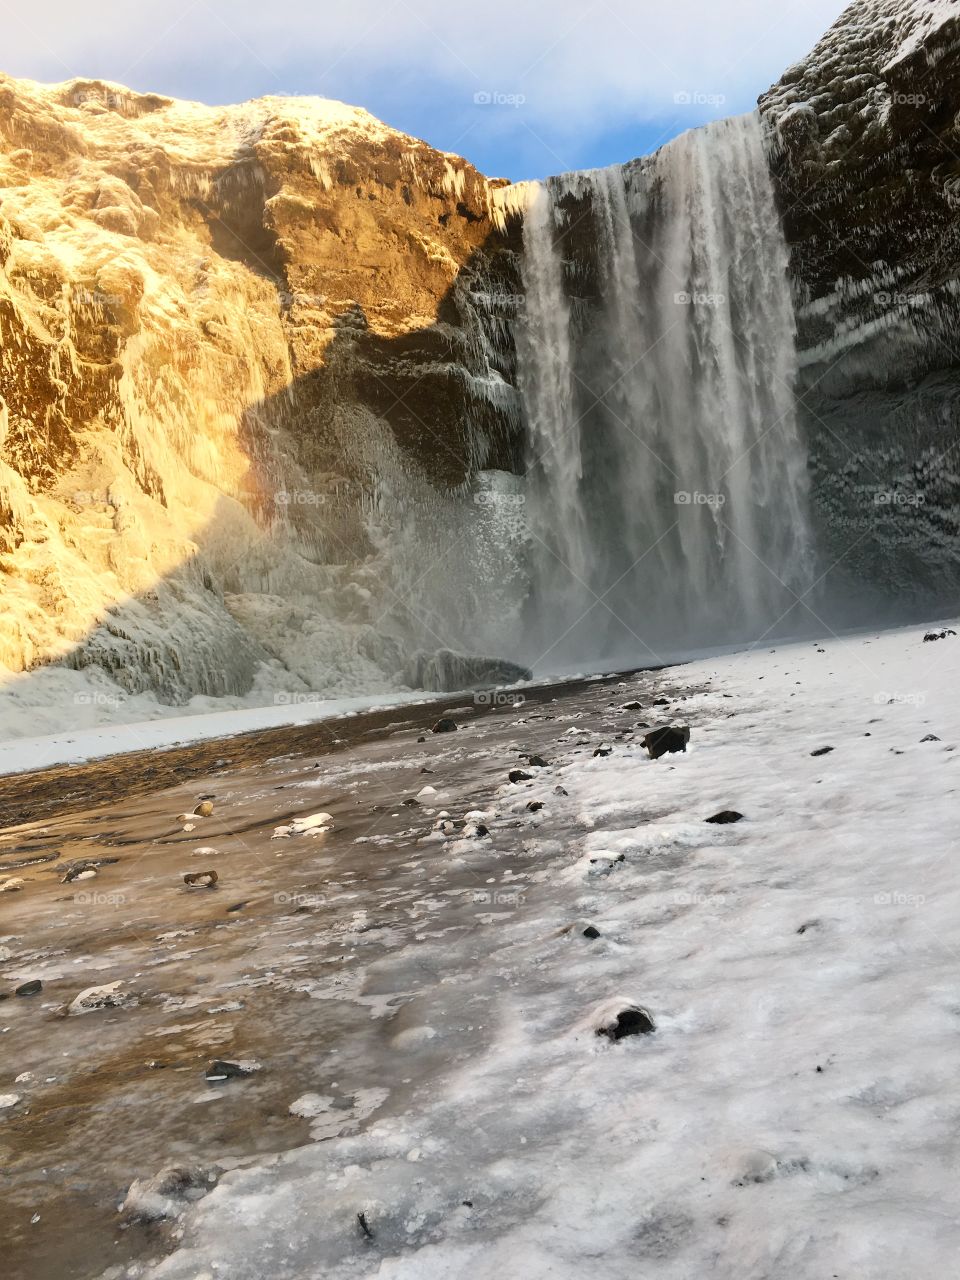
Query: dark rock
<point x="411" y="802"/>
<point x="445" y="725"/>
<point x="603" y="751"/>
<point x="222" y="1069"/>
<point x="724" y="817"/>
<point x="419" y="740"/>
<point x="236" y="906"/>
<point x="591" y="933"/>
<point x="669" y="739"/>
<point x="633" y="706"/>
<point x="481" y="830"/>
<point x="931" y="737"/>
<point x="32" y="988"/>
<point x="517" y="775"/>
<point x="364" y="1227"/>
<point x="661" y="702"/>
<point x="535" y="806"/>
<point x="938" y="635"/>
<point x="537" y="762"/>
<point x="560" y="791"/>
<point x="821" y="751"/>
<point x="634" y="1021"/>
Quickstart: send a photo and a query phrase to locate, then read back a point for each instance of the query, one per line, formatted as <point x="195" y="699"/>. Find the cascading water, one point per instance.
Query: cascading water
<point x="667" y="480"/>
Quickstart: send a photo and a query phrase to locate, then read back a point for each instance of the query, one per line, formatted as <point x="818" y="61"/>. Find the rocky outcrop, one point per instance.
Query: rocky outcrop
<point x="865" y="145"/>
<point x="229" y="339"/>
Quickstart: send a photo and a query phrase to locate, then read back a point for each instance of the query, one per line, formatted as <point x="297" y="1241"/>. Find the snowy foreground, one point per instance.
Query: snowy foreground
<point x="796" y="1111"/>
<point x="422" y="1003"/>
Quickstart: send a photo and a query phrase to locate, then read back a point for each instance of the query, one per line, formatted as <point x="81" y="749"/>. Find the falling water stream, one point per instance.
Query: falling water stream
<point x="667" y="479"/>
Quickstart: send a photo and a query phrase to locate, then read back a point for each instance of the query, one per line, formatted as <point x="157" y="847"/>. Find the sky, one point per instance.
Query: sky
<point x="523" y="88"/>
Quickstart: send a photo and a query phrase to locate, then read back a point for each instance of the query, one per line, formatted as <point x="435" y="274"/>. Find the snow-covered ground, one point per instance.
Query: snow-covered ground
<point x="796" y="1111"/>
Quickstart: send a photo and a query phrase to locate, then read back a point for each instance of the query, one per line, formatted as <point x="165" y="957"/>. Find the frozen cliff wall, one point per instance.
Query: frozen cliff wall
<point x="866" y="149"/>
<point x="241" y="350"/>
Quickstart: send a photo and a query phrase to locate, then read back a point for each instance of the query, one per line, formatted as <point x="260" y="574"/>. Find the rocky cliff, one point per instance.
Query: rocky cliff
<point x="866" y="153"/>
<point x="238" y="346"/>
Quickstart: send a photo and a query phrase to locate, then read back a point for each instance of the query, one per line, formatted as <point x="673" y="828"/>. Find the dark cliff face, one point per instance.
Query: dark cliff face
<point x="867" y="166"/>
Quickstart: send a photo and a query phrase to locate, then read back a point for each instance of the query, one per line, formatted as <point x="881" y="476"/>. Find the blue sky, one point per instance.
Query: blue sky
<point x="523" y="88"/>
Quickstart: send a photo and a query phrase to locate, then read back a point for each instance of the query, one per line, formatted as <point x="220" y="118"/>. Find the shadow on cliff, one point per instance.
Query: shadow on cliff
<point x="439" y="400"/>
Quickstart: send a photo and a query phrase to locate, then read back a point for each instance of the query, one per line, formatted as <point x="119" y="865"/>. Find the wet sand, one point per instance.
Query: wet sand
<point x="285" y="961"/>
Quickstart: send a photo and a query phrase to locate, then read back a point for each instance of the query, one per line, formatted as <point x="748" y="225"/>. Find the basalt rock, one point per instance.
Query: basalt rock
<point x="863" y="145"/>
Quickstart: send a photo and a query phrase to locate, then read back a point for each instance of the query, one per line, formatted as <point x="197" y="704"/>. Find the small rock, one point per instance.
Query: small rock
<point x="591" y="933"/>
<point x="537" y="762"/>
<point x="633" y="706"/>
<point x="412" y="802"/>
<point x="30" y="988"/>
<point x="534" y="806"/>
<point x="821" y="751"/>
<point x="201" y="879"/>
<point x="105" y="997"/>
<point x="560" y="791"/>
<point x="931" y="737"/>
<point x="518" y="775"/>
<point x="445" y="725"/>
<point x="222" y="1069"/>
<point x="661" y="702"/>
<point x="725" y="816"/>
<point x="204" y="809"/>
<point x="8" y="1100"/>
<point x="12" y="885"/>
<point x="603" y="751"/>
<point x="632" y="1021"/>
<point x="670" y="739"/>
<point x="419" y="740"/>
<point x="938" y="635"/>
<point x="168" y="1193"/>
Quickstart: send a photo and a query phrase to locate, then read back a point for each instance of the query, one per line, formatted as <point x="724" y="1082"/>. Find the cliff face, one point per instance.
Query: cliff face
<point x="229" y="339"/>
<point x="867" y="164"/>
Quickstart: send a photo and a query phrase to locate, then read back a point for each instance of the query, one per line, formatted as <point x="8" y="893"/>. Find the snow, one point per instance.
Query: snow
<point x="795" y="1111"/>
<point x="21" y="754"/>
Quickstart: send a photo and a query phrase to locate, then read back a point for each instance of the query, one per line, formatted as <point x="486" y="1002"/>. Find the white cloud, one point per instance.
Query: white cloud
<point x="582" y="66"/>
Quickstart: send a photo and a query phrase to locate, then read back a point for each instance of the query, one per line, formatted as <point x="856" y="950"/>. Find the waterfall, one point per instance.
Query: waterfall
<point x="666" y="503"/>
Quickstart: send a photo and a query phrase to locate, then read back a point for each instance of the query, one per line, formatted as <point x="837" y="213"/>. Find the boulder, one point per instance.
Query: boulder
<point x="446" y="671"/>
<point x="669" y="739"/>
